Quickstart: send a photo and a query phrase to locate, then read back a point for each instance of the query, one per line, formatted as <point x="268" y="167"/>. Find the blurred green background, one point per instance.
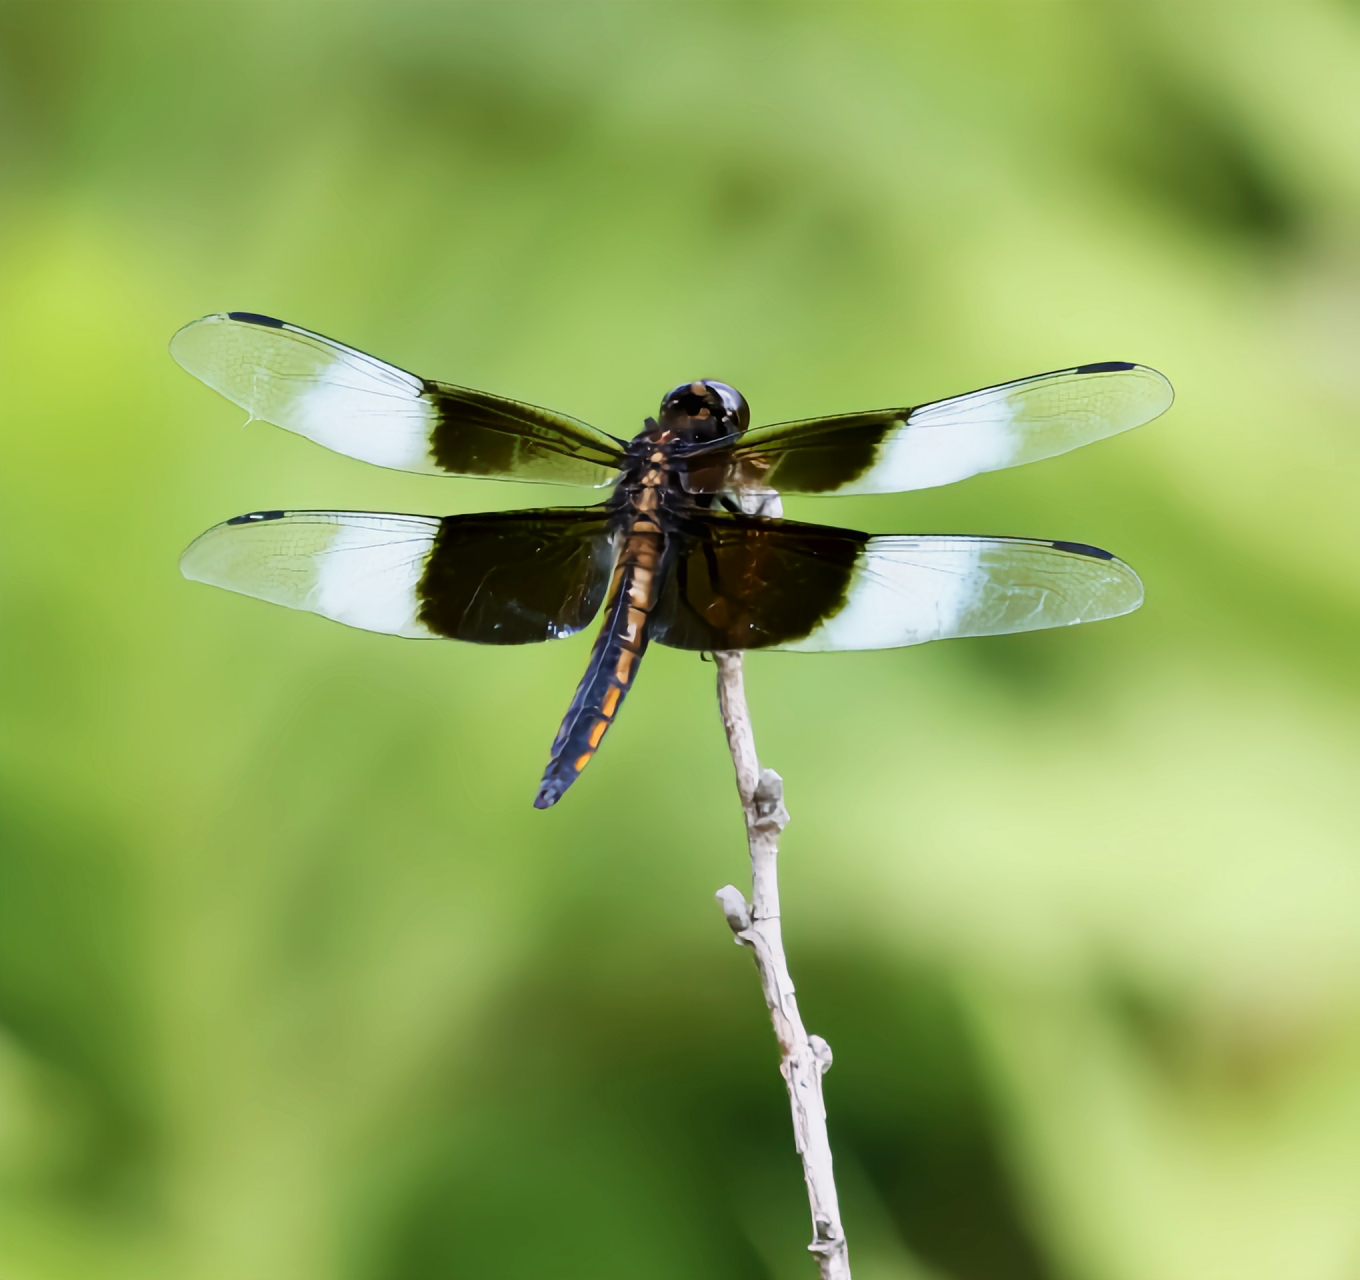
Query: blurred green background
<point x="296" y="985"/>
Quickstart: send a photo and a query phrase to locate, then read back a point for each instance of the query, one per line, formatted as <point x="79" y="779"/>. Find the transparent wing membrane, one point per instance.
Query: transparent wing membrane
<point x="738" y="582"/>
<point x="908" y="590"/>
<point x="513" y="577"/>
<point x="892" y="450"/>
<point x="367" y="409"/>
<point x="355" y="567"/>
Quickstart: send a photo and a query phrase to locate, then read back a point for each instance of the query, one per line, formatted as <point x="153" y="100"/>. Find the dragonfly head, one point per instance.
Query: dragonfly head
<point x="704" y="410"/>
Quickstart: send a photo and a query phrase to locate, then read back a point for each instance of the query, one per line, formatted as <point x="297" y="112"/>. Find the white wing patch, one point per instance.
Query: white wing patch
<point x="358" y="568"/>
<point x="371" y="423"/>
<point x="318" y="388"/>
<point x="908" y="590"/>
<point x="896" y="599"/>
<point x="1014" y="423"/>
<point x="918" y="454"/>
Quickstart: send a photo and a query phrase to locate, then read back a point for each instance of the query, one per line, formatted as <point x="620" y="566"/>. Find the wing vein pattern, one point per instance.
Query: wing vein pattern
<point x="512" y="577"/>
<point x="367" y="409"/>
<point x="738" y="582"/>
<point x="893" y="450"/>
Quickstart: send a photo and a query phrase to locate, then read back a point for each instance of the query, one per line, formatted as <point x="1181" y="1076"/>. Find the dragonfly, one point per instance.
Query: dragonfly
<point x="679" y="551"/>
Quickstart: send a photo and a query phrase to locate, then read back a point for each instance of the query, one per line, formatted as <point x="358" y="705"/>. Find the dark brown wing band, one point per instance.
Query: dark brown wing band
<point x="516" y="577"/>
<point x="823" y="455"/>
<point x="741" y="582"/>
<point x="480" y="434"/>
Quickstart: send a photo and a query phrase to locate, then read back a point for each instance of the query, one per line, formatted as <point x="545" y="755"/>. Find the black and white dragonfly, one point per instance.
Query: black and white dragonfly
<point x="672" y="554"/>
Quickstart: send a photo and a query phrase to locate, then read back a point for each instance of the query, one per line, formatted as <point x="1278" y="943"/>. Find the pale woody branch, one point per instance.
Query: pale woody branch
<point x="804" y="1058"/>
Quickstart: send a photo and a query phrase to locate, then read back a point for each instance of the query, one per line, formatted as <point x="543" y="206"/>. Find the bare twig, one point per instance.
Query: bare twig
<point x="803" y="1058"/>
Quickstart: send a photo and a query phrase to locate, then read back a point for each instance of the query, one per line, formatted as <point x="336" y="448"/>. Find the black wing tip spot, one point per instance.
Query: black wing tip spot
<point x="1082" y="549"/>
<point x="253" y="317"/>
<point x="1106" y="366"/>
<point x="257" y="517"/>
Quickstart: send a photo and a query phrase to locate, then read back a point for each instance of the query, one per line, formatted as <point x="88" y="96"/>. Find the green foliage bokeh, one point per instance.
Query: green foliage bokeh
<point x="296" y="985"/>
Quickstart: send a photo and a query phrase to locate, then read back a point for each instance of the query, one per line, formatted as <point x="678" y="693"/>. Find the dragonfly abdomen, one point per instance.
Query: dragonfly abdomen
<point x="613" y="661"/>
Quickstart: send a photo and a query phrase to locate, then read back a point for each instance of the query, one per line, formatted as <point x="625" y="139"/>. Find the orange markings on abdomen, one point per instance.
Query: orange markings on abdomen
<point x="637" y="619"/>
